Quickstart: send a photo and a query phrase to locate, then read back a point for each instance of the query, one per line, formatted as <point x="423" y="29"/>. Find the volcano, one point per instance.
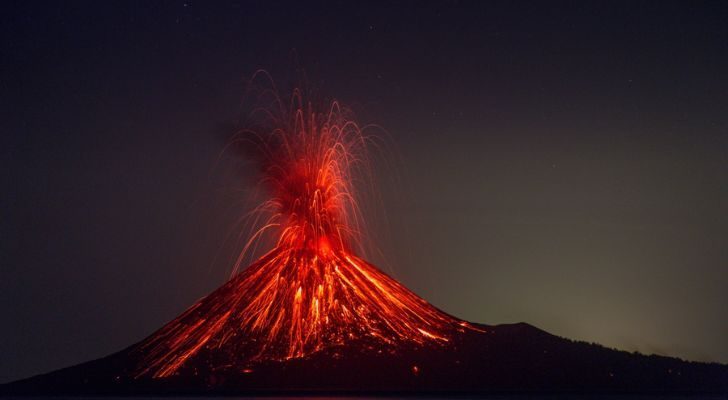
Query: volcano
<point x="309" y="315"/>
<point x="310" y="292"/>
<point x="288" y="306"/>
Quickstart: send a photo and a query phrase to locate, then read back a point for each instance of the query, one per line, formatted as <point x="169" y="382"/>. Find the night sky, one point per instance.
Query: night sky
<point x="562" y="164"/>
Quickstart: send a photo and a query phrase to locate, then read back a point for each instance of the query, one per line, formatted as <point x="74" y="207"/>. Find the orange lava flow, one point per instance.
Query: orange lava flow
<point x="310" y="291"/>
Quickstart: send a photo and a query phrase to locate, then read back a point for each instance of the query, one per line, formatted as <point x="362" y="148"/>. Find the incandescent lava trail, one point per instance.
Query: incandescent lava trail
<point x="310" y="291"/>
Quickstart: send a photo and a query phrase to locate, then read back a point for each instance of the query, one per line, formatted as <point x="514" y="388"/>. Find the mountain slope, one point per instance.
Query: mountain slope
<point x="504" y="358"/>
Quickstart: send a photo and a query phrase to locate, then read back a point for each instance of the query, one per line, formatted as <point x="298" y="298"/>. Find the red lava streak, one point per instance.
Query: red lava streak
<point x="310" y="291"/>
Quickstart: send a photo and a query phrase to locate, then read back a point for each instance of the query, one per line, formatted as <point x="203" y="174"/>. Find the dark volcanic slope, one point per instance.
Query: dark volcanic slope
<point x="515" y="357"/>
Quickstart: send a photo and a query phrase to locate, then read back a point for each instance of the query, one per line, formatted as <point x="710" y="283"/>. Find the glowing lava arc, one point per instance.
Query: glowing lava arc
<point x="310" y="291"/>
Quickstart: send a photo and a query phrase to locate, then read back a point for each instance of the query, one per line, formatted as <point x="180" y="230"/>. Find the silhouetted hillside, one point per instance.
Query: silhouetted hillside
<point x="504" y="358"/>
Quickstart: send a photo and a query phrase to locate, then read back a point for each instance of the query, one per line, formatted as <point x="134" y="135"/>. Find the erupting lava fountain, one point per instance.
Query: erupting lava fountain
<point x="310" y="291"/>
